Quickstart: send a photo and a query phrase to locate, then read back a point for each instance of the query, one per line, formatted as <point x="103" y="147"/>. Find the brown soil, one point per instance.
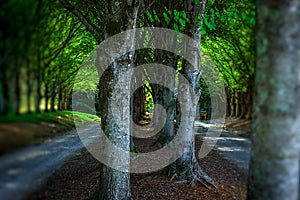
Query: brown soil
<point x="79" y="176"/>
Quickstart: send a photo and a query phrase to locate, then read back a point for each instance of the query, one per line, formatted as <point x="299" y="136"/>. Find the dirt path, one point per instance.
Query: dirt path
<point x="23" y="171"/>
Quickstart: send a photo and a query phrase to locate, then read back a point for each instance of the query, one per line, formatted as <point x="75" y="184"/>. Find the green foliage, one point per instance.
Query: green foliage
<point x="167" y="19"/>
<point x="149" y="98"/>
<point x="230" y="41"/>
<point x="178" y="18"/>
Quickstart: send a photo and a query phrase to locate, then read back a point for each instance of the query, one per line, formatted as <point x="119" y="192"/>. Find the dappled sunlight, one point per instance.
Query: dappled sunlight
<point x="33" y="155"/>
<point x="33" y="164"/>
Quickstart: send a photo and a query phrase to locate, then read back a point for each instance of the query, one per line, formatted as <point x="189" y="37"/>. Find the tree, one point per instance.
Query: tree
<point x="274" y="167"/>
<point x="187" y="166"/>
<point x="229" y="39"/>
<point x="121" y="16"/>
<point x="185" y="17"/>
<point x="19" y="20"/>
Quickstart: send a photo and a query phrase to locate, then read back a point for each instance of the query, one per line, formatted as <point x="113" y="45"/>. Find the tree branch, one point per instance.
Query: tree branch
<point x="86" y="22"/>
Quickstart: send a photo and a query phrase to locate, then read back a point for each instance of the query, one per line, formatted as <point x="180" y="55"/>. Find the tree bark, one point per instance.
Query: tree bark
<point x="113" y="184"/>
<point x="187" y="167"/>
<point x="164" y="97"/>
<point x="274" y="168"/>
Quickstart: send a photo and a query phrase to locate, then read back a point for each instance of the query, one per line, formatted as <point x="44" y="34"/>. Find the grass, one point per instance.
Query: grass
<point x="51" y="117"/>
<point x="17" y="131"/>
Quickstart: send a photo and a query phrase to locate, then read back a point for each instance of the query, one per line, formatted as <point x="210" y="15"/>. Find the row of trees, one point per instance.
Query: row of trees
<point x="44" y="43"/>
<point x="274" y="171"/>
<point x="118" y="16"/>
<point x="230" y="41"/>
<point x="44" y="46"/>
<point x="41" y="50"/>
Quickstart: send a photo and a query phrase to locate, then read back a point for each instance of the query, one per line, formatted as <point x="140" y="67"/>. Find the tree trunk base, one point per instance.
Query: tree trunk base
<point x="192" y="173"/>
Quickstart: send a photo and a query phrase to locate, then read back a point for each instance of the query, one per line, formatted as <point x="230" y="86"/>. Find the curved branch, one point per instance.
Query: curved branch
<point x="86" y="22"/>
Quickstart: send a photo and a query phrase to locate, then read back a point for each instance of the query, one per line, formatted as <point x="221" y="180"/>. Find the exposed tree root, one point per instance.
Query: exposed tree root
<point x="192" y="173"/>
<point x="186" y="174"/>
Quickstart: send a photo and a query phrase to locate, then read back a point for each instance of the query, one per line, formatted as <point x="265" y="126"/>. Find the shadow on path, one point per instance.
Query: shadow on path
<point x="235" y="147"/>
<point x="22" y="171"/>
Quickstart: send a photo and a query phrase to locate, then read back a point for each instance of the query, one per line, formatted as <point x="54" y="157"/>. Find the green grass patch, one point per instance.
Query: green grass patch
<point x="65" y="117"/>
<point x="82" y="118"/>
<point x="17" y="131"/>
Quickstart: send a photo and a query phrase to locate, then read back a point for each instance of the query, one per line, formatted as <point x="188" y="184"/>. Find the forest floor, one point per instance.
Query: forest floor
<point x="78" y="177"/>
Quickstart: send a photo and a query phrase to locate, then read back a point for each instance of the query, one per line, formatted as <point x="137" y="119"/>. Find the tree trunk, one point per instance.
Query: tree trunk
<point x="228" y="105"/>
<point x="59" y="101"/>
<point x="274" y="168"/>
<point x="232" y="104"/>
<point x="68" y="99"/>
<point x="138" y="101"/>
<point x="249" y="99"/>
<point x="38" y="97"/>
<point x="47" y="97"/>
<point x="52" y="101"/>
<point x="187" y="167"/>
<point x="237" y="103"/>
<point x="17" y="89"/>
<point x="163" y="118"/>
<point x="164" y="114"/>
<point x="29" y="88"/>
<point x="115" y="184"/>
<point x="38" y="84"/>
<point x="5" y="91"/>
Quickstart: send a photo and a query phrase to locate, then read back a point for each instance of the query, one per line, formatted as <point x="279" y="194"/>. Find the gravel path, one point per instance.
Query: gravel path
<point x="22" y="171"/>
<point x="235" y="147"/>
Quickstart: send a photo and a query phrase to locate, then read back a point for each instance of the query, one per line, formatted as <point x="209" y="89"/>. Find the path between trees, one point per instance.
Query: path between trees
<point x="25" y="170"/>
<point x="235" y="147"/>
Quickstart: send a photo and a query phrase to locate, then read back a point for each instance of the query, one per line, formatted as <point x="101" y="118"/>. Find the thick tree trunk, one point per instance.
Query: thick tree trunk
<point x="187" y="167"/>
<point x="274" y="168"/>
<point x="115" y="184"/>
<point x="164" y="100"/>
<point x="163" y="113"/>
